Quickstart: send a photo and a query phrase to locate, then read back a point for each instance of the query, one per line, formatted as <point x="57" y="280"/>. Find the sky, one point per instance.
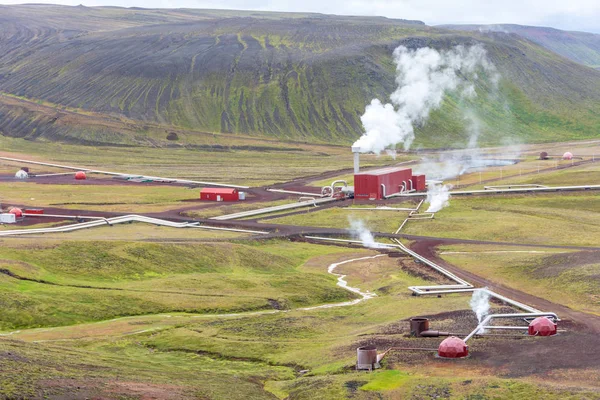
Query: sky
<point x="581" y="15"/>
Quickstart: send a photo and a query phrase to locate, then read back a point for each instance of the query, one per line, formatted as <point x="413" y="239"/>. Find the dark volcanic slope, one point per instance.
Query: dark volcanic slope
<point x="299" y="76"/>
<point x="581" y="47"/>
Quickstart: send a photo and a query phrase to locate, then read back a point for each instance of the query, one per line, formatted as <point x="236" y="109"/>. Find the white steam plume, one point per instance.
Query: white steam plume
<point x="438" y="197"/>
<point x="470" y="159"/>
<point x="480" y="304"/>
<point x="361" y="232"/>
<point x="423" y="77"/>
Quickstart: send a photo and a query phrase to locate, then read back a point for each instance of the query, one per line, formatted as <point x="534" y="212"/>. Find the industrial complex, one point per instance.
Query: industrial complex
<point x="395" y="190"/>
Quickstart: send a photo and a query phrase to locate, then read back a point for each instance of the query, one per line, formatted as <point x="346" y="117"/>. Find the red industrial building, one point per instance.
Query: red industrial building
<point x="219" y="194"/>
<point x="376" y="185"/>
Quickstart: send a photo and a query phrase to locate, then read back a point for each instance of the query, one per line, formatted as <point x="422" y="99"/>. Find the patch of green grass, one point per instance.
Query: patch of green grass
<point x="386" y="380"/>
<point x="549" y="219"/>
<point x="341" y="218"/>
<point x="74" y="282"/>
<point x="534" y="271"/>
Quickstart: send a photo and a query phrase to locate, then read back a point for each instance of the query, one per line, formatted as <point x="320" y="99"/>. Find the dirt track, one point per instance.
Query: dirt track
<point x="427" y="248"/>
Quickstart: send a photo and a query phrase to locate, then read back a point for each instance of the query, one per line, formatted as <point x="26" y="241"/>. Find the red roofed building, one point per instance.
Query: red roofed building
<point x="219" y="194"/>
<point x="380" y="183"/>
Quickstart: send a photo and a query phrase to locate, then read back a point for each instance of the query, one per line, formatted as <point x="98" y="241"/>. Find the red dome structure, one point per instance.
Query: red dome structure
<point x="80" y="175"/>
<point x="568" y="156"/>
<point x="542" y="326"/>
<point x="17" y="211"/>
<point x="453" y="347"/>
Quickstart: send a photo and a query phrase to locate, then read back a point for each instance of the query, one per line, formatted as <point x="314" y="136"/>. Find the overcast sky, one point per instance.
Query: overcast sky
<point x="583" y="15"/>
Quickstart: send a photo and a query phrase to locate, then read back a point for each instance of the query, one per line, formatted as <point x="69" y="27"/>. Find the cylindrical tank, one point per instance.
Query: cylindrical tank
<point x="17" y="211"/>
<point x="542" y="326"/>
<point x="80" y="175"/>
<point x="366" y="358"/>
<point x="543" y="155"/>
<point x="418" y="325"/>
<point x="453" y="347"/>
<point x="568" y="156"/>
<point x="21" y="174"/>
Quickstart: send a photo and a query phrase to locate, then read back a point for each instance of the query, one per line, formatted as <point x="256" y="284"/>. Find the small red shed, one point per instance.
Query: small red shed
<point x="219" y="194"/>
<point x="418" y="182"/>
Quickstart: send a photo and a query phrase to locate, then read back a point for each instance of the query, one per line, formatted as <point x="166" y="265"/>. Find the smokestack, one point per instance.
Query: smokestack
<point x="356" y="151"/>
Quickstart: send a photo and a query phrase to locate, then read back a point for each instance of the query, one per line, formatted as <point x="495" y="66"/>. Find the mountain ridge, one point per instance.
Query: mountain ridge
<point x="291" y="78"/>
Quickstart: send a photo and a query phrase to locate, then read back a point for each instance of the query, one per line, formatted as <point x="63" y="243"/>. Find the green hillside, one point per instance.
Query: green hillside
<point x="288" y="76"/>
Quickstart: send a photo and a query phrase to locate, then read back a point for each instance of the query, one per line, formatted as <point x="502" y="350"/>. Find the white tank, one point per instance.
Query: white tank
<point x="21" y="174"/>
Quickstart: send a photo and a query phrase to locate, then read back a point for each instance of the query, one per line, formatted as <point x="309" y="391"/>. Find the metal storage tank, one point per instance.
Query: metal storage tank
<point x="366" y="358"/>
<point x="542" y="326"/>
<point x="219" y="194"/>
<point x="418" y="325"/>
<point x="568" y="156"/>
<point x="453" y="347"/>
<point x="80" y="175"/>
<point x="21" y="174"/>
<point x="16" y="211"/>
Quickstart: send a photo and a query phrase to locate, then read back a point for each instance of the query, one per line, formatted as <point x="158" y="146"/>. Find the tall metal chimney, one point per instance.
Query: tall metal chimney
<point x="356" y="151"/>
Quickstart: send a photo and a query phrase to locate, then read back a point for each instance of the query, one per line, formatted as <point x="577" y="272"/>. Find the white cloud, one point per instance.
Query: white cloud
<point x="572" y="14"/>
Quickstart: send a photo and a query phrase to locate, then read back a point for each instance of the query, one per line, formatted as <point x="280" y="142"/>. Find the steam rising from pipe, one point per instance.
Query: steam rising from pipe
<point x="438" y="197"/>
<point x="423" y="76"/>
<point x="480" y="304"/>
<point x="361" y="232"/>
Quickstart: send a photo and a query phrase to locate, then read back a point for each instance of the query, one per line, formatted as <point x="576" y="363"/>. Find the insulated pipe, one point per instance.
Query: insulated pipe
<point x="294" y="192"/>
<point x="383" y="190"/>
<point x="522" y="315"/>
<point x="336" y="182"/>
<point x="120" y="220"/>
<point x="306" y="198"/>
<point x="462" y="287"/>
<point x="513" y="190"/>
<point x="515" y="328"/>
<point x="155" y="178"/>
<point x="411" y="185"/>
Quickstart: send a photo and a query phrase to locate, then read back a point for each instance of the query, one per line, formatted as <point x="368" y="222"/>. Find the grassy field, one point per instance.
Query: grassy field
<point x="557" y="219"/>
<point x="298" y="354"/>
<point x="75" y="282"/>
<point x="588" y="174"/>
<point x="124" y="232"/>
<point x="225" y="209"/>
<point x="342" y="218"/>
<point x="121" y="198"/>
<point x="243" y="167"/>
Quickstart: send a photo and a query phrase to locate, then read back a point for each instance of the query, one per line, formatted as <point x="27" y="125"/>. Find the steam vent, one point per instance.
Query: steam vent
<point x="453" y="347"/>
<point x="542" y="326"/>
